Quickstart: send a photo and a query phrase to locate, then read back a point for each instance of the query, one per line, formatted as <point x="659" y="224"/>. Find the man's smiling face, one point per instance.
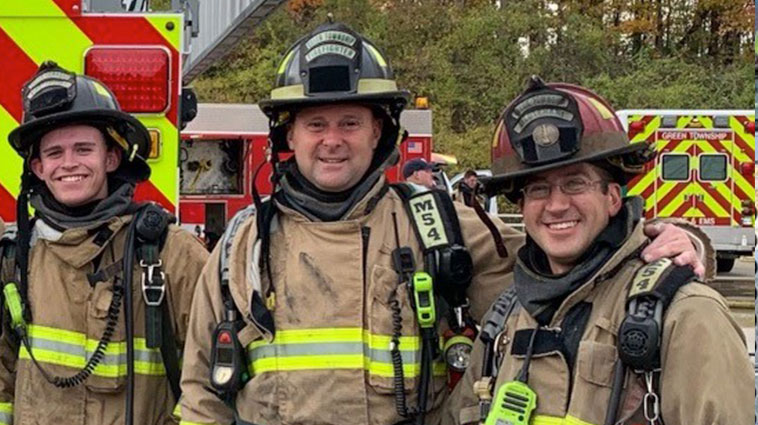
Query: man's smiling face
<point x="334" y="144"/>
<point x="74" y="162"/>
<point x="565" y="225"/>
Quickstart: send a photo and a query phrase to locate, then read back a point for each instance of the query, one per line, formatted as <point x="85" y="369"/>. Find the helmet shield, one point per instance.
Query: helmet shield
<point x="48" y="92"/>
<point x="56" y="98"/>
<point x="331" y="62"/>
<point x="543" y="125"/>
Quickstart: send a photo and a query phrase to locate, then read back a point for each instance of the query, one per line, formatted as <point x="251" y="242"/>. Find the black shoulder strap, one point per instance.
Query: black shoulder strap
<point x="260" y="313"/>
<point x="152" y="230"/>
<point x="651" y="292"/>
<point x="433" y="215"/>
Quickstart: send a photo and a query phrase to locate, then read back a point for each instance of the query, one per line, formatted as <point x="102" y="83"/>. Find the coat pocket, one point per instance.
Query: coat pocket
<point x="594" y="378"/>
<point x="596" y="362"/>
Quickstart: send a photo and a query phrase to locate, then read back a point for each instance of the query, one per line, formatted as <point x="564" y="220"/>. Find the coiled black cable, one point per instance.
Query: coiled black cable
<point x="398" y="377"/>
<point x="80" y="377"/>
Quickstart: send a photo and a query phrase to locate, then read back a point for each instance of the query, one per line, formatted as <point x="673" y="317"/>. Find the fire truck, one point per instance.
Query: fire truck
<point x="704" y="172"/>
<point x="226" y="143"/>
<point x="143" y="57"/>
<point x="136" y="54"/>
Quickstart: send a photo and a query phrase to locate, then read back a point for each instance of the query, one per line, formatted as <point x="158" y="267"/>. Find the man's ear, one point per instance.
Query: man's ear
<point x="614" y="197"/>
<point x="377" y="125"/>
<point x="289" y="137"/>
<point x="520" y="204"/>
<point x="36" y="166"/>
<point x="112" y="159"/>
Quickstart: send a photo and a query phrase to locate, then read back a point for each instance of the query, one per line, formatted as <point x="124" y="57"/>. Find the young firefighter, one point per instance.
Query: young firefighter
<point x="305" y="313"/>
<point x="589" y="334"/>
<point x="78" y="279"/>
<point x="468" y="189"/>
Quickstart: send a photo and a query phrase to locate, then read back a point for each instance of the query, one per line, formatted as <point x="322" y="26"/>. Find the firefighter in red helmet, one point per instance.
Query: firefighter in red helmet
<point x="587" y="333"/>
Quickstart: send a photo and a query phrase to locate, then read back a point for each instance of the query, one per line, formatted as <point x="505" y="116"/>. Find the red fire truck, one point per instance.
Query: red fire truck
<point x="224" y="145"/>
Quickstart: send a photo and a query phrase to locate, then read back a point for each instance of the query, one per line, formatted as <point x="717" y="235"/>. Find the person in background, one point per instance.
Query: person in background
<point x="420" y="172"/>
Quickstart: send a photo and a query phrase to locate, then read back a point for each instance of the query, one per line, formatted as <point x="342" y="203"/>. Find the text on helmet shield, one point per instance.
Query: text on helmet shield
<point x="338" y="36"/>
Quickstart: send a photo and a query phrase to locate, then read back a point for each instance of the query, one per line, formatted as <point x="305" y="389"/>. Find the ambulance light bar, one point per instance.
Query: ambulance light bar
<point x="139" y="77"/>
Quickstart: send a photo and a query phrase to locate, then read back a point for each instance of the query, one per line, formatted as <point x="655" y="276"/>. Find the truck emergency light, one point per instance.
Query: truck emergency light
<point x="139" y="77"/>
<point x="637" y="126"/>
<point x="747" y="169"/>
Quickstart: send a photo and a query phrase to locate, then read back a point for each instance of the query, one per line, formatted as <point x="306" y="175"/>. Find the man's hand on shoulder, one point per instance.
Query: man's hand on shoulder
<point x="670" y="241"/>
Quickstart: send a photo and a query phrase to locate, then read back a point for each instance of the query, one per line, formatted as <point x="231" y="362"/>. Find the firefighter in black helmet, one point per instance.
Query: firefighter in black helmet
<point x="75" y="265"/>
<point x="337" y="66"/>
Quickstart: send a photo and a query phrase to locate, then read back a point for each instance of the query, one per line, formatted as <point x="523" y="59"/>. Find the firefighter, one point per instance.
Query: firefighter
<point x="319" y="305"/>
<point x="581" y="300"/>
<point x="468" y="191"/>
<point x="420" y="172"/>
<point x="85" y="268"/>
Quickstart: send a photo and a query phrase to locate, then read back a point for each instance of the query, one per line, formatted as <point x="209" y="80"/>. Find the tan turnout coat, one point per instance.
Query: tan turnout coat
<point x="69" y="317"/>
<point x="706" y="376"/>
<point x="332" y="285"/>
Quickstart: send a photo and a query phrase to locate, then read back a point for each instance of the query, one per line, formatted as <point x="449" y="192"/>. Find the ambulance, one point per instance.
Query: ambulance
<point x="704" y="172"/>
<point x="225" y="144"/>
<point x="138" y="55"/>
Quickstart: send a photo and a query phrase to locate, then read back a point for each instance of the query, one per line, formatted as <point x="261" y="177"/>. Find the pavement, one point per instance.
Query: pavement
<point x="738" y="288"/>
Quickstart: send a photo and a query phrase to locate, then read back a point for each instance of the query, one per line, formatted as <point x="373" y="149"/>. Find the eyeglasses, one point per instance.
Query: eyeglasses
<point x="574" y="186"/>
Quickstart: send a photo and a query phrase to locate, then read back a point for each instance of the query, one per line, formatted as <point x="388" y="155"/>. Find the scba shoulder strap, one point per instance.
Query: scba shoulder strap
<point x="151" y="232"/>
<point x="438" y="231"/>
<point x="494" y="325"/>
<point x="639" y="338"/>
<point x="228" y="358"/>
<point x="259" y="312"/>
<point x="652" y="290"/>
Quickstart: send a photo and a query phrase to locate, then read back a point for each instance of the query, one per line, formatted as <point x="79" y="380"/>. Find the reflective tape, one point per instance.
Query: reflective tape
<point x="72" y="349"/>
<point x="335" y="348"/>
<point x="6" y="413"/>
<point x="551" y="420"/>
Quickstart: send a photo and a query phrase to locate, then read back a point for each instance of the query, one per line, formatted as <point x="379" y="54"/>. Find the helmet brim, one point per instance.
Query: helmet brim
<point x="504" y="183"/>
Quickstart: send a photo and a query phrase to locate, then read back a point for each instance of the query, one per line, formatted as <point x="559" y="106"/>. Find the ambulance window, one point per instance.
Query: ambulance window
<point x="676" y="167"/>
<point x="712" y="167"/>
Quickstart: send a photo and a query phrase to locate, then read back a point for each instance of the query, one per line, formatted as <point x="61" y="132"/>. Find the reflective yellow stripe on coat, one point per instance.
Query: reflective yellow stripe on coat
<point x="73" y="349"/>
<point x="335" y="348"/>
<point x="6" y="413"/>
<point x="551" y="420"/>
